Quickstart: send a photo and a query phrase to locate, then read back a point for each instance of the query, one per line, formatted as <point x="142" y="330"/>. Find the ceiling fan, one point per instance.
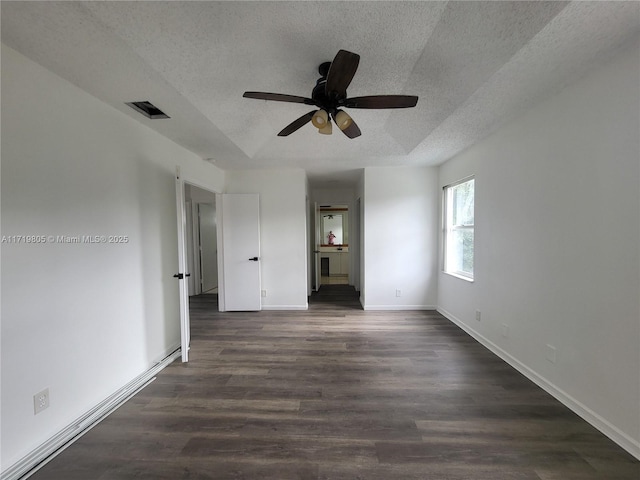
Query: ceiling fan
<point x="330" y="96"/>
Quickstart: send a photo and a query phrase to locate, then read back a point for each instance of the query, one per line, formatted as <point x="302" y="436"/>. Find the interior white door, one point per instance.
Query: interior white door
<point x="240" y="225"/>
<point x="208" y="247"/>
<point x="183" y="285"/>
<point x="316" y="250"/>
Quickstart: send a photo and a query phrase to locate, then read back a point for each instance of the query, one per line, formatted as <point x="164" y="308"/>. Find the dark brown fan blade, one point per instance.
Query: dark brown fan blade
<point x="296" y="124"/>
<point x="341" y="72"/>
<point x="381" y="101"/>
<point x="278" y="97"/>
<point x="352" y="131"/>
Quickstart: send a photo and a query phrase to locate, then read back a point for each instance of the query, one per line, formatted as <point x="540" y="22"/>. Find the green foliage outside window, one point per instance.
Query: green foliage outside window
<point x="459" y="230"/>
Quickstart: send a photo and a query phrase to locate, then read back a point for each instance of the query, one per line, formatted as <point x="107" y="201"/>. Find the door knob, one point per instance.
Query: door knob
<point x="254" y="259"/>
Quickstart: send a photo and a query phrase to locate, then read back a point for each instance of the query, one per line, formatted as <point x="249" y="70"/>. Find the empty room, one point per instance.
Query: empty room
<point x="320" y="240"/>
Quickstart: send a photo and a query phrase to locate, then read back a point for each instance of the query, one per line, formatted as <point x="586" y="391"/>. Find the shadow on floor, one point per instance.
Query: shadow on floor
<point x="328" y="297"/>
<point x="338" y="296"/>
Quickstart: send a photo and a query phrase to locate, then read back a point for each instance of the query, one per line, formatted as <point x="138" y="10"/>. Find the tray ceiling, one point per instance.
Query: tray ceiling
<point x="474" y="65"/>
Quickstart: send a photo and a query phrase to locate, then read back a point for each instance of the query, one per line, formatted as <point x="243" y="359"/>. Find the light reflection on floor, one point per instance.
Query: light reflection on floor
<point x="335" y="280"/>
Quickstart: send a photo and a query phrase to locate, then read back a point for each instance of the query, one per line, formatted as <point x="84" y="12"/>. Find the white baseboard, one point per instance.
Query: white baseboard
<point x="40" y="456"/>
<point x="398" y="307"/>
<point x="614" y="433"/>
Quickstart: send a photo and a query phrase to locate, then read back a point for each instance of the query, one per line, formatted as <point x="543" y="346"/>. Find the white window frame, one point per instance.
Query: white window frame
<point x="449" y="228"/>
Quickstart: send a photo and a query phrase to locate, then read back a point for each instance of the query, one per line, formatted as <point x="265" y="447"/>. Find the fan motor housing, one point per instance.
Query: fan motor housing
<point x="319" y="93"/>
<point x="330" y="95"/>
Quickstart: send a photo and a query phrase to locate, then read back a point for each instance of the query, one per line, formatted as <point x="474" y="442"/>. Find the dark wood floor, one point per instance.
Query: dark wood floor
<point x="339" y="393"/>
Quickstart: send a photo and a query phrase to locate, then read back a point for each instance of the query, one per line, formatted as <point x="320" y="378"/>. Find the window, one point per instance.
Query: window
<point x="458" y="228"/>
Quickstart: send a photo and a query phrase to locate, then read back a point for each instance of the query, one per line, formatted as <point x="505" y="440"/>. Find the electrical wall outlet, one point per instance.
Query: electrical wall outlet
<point x="550" y="353"/>
<point x="398" y="293"/>
<point x="41" y="401"/>
<point x="263" y="293"/>
<point x="478" y="315"/>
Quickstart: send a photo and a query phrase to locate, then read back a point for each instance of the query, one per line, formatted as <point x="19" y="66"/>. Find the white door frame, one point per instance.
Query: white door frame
<point x="205" y="254"/>
<point x="195" y="247"/>
<point x="183" y="285"/>
<point x="185" y="324"/>
<point x="316" y="240"/>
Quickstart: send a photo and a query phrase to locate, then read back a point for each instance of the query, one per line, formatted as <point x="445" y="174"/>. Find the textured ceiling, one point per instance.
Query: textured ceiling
<point x="474" y="65"/>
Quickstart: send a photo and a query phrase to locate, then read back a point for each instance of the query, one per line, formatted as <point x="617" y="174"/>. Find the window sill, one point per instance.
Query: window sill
<point x="461" y="277"/>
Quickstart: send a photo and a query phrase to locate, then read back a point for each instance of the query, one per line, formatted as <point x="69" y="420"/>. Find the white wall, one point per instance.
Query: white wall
<point x="558" y="248"/>
<point x="333" y="196"/>
<point x="283" y="236"/>
<point x="81" y="319"/>
<point x="400" y="237"/>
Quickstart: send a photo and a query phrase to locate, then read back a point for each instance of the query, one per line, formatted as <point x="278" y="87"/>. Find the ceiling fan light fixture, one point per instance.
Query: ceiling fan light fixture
<point x="326" y="130"/>
<point x="330" y="93"/>
<point x="320" y="119"/>
<point x="343" y="120"/>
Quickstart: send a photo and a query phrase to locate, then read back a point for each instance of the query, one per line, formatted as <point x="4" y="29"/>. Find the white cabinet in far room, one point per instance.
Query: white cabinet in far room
<point x="338" y="262"/>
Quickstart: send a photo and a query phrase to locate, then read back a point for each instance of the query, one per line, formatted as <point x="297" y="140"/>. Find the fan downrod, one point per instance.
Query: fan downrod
<point x="323" y="69"/>
<point x="319" y="92"/>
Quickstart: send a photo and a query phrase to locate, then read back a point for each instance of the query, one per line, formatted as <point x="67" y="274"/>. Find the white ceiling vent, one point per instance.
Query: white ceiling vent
<point x="148" y="109"/>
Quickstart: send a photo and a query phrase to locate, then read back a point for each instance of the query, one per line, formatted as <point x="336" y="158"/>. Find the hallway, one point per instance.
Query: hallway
<point x="335" y="296"/>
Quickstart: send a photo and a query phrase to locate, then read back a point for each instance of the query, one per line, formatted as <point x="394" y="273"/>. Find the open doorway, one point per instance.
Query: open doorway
<point x="201" y="242"/>
<point x="333" y="229"/>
